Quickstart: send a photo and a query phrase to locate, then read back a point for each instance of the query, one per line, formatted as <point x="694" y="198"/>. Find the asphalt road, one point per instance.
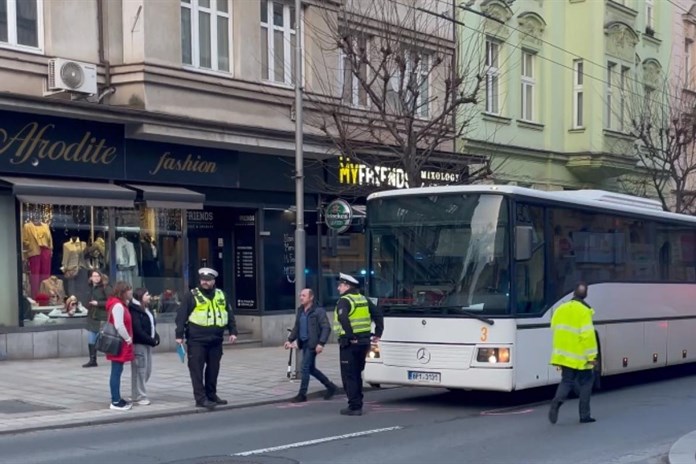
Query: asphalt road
<point x="638" y="421"/>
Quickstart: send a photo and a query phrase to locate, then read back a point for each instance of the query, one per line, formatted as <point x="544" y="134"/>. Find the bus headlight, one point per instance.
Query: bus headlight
<point x="374" y="351"/>
<point x="493" y="355"/>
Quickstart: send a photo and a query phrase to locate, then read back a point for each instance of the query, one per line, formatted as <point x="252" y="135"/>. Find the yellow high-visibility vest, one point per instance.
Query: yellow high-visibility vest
<point x="574" y="340"/>
<point x="359" y="315"/>
<point x="207" y="312"/>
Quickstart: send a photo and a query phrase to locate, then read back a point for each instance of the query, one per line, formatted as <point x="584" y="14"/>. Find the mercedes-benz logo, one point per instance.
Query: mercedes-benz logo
<point x="423" y="356"/>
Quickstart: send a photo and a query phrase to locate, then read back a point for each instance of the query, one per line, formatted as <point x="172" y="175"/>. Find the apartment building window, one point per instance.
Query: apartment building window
<point x="617" y="78"/>
<point x="492" y="77"/>
<point x="650" y="16"/>
<point x="205" y="34"/>
<point x="623" y="82"/>
<point x="528" y="83"/>
<point x="418" y="70"/>
<point x="21" y="23"/>
<point x="278" y="40"/>
<point x="688" y="49"/>
<point x="353" y="92"/>
<point x="578" y="94"/>
<point x="611" y="72"/>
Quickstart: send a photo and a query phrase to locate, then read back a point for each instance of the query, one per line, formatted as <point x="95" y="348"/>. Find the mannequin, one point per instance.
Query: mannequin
<point x="37" y="244"/>
<point x="73" y="262"/>
<point x="126" y="261"/>
<point x="53" y="287"/>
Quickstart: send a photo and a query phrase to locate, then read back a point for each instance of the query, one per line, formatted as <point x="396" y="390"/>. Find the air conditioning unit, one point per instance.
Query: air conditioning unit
<point x="72" y="76"/>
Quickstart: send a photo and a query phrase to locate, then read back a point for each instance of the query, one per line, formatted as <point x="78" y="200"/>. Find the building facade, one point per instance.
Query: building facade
<point x="171" y="149"/>
<point x="561" y="79"/>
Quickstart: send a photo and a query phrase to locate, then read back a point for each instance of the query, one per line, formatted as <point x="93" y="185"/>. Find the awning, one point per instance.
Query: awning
<point x="170" y="197"/>
<point x="63" y="192"/>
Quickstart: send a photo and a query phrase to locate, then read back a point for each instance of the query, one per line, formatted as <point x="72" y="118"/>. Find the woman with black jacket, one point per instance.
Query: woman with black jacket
<point x="145" y="338"/>
<point x="97" y="294"/>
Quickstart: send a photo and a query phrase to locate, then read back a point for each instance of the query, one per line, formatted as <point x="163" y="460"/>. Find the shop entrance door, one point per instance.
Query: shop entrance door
<point x="207" y="251"/>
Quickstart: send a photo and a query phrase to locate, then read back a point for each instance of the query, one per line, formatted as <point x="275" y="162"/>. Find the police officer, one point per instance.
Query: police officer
<point x="203" y="316"/>
<point x="353" y="323"/>
<point x="575" y="352"/>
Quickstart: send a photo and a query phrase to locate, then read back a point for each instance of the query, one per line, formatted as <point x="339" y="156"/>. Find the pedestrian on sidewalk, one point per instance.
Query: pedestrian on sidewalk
<point x="202" y="318"/>
<point x="120" y="317"/>
<point x="310" y="334"/>
<point x="575" y="352"/>
<point x="145" y="338"/>
<point x="353" y="323"/>
<point x="96" y="298"/>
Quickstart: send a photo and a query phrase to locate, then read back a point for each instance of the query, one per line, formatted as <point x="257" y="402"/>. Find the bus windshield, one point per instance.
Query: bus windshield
<point x="443" y="254"/>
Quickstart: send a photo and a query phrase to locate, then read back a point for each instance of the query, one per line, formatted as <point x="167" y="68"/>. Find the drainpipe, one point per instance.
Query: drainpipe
<point x="108" y="89"/>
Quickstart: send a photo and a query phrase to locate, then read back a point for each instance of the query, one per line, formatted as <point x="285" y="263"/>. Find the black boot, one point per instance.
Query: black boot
<point x="92" y="357"/>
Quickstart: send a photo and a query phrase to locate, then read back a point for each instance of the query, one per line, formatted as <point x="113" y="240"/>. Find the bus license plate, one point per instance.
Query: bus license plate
<point x="426" y="377"/>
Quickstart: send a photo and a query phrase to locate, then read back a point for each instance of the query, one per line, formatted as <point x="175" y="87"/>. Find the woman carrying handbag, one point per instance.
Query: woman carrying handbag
<point x="120" y="317"/>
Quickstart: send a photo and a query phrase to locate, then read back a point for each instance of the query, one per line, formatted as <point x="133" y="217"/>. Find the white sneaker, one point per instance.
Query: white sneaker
<point x="121" y="406"/>
<point x="144" y="402"/>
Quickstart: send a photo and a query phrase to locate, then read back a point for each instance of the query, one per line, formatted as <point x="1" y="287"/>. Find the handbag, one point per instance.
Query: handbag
<point x="108" y="340"/>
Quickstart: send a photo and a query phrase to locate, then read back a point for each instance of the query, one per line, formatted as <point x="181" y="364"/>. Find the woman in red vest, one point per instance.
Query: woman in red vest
<point x="120" y="317"/>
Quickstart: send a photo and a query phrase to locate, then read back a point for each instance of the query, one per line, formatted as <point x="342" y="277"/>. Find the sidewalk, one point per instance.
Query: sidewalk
<point x="683" y="451"/>
<point x="55" y="393"/>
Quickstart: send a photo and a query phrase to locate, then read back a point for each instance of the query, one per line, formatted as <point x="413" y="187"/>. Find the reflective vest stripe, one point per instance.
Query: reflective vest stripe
<point x="207" y="312"/>
<point x="359" y="315"/>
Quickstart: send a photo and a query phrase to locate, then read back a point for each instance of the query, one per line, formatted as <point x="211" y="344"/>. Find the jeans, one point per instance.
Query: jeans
<point x="91" y="338"/>
<point x="115" y="381"/>
<point x="579" y="380"/>
<point x="309" y="359"/>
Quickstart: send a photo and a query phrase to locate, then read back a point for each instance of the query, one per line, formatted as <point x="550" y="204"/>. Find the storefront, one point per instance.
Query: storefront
<point x="77" y="196"/>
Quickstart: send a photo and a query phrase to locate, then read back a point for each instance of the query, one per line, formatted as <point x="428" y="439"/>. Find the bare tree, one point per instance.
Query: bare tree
<point x="398" y="96"/>
<point x="660" y="118"/>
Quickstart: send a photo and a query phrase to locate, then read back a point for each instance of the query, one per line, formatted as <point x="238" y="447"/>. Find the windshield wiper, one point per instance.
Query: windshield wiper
<point x="460" y="310"/>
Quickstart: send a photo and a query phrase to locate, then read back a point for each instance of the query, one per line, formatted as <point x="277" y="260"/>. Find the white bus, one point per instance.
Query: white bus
<point x="468" y="277"/>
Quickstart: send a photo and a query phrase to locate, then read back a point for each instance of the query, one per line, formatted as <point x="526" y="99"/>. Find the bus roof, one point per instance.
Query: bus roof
<point x="591" y="198"/>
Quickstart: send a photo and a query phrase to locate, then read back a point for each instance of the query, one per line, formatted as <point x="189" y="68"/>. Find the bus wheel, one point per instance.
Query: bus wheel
<point x="375" y="385"/>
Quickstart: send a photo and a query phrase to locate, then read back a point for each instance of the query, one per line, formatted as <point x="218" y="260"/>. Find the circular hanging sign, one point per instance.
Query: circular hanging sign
<point x="338" y="215"/>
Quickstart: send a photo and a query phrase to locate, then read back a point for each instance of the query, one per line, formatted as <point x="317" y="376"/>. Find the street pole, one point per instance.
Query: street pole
<point x="299" y="169"/>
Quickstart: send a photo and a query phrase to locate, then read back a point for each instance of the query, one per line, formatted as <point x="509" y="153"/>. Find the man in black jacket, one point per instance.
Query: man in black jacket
<point x="310" y="334"/>
<point x="203" y="316"/>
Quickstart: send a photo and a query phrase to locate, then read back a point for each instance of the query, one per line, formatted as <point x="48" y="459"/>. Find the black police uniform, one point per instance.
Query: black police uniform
<point x="353" y="351"/>
<point x="204" y="349"/>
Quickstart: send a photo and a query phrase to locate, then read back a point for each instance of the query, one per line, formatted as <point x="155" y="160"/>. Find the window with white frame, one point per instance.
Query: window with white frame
<point x="418" y="72"/>
<point x="353" y="90"/>
<point x="492" y="76"/>
<point x="623" y="82"/>
<point x="21" y="23"/>
<point x="278" y="39"/>
<point x="205" y="34"/>
<point x="578" y="94"/>
<point x="528" y="84"/>
<point x="650" y="15"/>
<point x="688" y="49"/>
<point x="611" y="82"/>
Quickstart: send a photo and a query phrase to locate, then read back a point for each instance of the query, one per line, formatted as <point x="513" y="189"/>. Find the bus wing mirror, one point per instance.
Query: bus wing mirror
<point x="523" y="243"/>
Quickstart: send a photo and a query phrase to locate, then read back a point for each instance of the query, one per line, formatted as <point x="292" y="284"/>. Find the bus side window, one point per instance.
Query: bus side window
<point x="529" y="275"/>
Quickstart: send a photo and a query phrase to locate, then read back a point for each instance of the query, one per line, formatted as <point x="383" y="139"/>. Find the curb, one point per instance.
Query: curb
<point x="683" y="451"/>
<point x="178" y="411"/>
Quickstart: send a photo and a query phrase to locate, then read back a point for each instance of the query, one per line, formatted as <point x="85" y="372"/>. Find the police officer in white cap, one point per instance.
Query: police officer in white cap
<point x="203" y="316"/>
<point x="353" y="320"/>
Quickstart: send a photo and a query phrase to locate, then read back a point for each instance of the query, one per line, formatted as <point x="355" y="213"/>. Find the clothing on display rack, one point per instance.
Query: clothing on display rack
<point x="150" y="263"/>
<point x="38" y="248"/>
<point x="73" y="265"/>
<point x="126" y="261"/>
<point x="96" y="254"/>
<point x="53" y="287"/>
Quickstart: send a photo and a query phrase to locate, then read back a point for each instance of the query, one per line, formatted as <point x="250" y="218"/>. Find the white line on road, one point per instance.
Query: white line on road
<point x="317" y="441"/>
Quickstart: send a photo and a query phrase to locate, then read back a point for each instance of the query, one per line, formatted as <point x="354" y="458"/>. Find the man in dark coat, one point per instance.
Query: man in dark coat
<point x="310" y="334"/>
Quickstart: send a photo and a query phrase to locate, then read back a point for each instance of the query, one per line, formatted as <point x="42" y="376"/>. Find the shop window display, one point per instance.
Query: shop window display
<point x="62" y="244"/>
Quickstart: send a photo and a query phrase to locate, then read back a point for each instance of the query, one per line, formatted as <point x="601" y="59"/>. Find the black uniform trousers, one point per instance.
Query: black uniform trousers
<point x="352" y="357"/>
<point x="204" y="367"/>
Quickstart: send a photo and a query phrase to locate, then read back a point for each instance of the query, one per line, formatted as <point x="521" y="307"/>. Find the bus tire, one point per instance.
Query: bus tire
<point x="597" y="385"/>
<point x="375" y="385"/>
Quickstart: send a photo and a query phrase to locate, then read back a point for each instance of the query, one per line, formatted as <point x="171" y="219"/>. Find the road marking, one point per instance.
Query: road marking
<point x="317" y="441"/>
<point x="506" y="412"/>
